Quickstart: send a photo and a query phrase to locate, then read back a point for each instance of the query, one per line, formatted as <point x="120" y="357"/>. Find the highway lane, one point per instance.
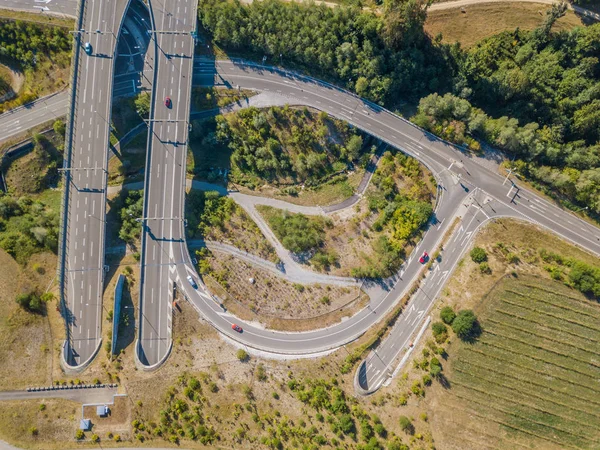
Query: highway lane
<point x="81" y="261"/>
<point x="57" y="7"/>
<point x="19" y="120"/>
<point x="163" y="234"/>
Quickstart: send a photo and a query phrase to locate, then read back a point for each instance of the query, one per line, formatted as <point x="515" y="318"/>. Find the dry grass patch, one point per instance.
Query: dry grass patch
<point x="25" y="338"/>
<point x="23" y="423"/>
<point x="277" y="302"/>
<point x="484" y="20"/>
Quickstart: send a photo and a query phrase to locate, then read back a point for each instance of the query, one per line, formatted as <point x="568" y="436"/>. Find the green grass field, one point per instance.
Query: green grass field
<point x="535" y="370"/>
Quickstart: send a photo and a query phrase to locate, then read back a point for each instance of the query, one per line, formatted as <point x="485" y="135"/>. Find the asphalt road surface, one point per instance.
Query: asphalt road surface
<point x="58" y="7"/>
<point x="19" y="120"/>
<point x="81" y="277"/>
<point x="163" y="234"/>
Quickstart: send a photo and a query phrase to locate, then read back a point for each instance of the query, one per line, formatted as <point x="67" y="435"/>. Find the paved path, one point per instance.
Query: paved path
<point x="88" y="395"/>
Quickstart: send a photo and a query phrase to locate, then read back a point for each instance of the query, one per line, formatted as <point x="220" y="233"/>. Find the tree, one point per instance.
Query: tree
<point x="435" y="367"/>
<point x="30" y="302"/>
<point x="59" y="127"/>
<point x="440" y="332"/>
<point x="142" y="104"/>
<point x="465" y="325"/>
<point x="79" y="435"/>
<point x="447" y="315"/>
<point x="478" y="255"/>
<point x="354" y="146"/>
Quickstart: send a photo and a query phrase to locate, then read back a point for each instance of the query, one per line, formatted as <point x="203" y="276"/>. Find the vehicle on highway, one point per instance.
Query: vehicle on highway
<point x="423" y="259"/>
<point x="88" y="48"/>
<point x="237" y="328"/>
<point x="192" y="282"/>
<point x="168" y="102"/>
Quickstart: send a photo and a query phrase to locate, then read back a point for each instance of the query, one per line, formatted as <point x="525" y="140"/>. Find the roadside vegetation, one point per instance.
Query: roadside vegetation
<point x="204" y="98"/>
<point x="42" y="53"/>
<point x="375" y="240"/>
<point x="37" y="169"/>
<point x="215" y="218"/>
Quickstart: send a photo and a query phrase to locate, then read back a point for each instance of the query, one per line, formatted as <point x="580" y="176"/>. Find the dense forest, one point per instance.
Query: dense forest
<point x="382" y="60"/>
<point x="535" y="95"/>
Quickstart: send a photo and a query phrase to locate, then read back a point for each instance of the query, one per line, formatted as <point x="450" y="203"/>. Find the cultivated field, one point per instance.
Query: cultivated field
<point x="533" y="373"/>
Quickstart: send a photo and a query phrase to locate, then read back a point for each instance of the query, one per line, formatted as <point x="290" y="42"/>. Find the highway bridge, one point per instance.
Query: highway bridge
<point x="81" y="251"/>
<point x="163" y="234"/>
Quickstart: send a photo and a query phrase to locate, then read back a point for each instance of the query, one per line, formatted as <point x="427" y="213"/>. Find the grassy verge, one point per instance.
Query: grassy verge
<point x="204" y="98"/>
<point x="484" y="20"/>
<point x="371" y="239"/>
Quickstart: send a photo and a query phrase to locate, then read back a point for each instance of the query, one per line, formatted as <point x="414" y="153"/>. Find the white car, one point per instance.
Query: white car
<point x="88" y="48"/>
<point x="192" y="282"/>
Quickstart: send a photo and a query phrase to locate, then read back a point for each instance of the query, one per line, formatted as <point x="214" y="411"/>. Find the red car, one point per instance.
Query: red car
<point x="168" y="102"/>
<point x="423" y="259"/>
<point x="237" y="328"/>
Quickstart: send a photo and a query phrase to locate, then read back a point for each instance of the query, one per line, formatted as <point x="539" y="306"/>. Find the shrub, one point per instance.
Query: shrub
<point x="447" y="315"/>
<point x="440" y="332"/>
<point x="30" y="302"/>
<point x="79" y="435"/>
<point x="484" y="267"/>
<point x="33" y="431"/>
<point x="435" y="367"/>
<point x="426" y="380"/>
<point x="261" y="373"/>
<point x="242" y="355"/>
<point x="478" y="255"/>
<point x="465" y="325"/>
<point x="406" y="425"/>
<point x="95" y="438"/>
